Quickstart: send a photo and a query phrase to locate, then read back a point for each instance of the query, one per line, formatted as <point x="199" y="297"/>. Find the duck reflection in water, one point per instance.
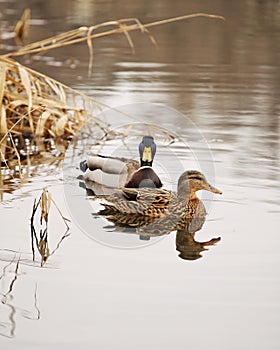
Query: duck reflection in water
<point x="189" y="248"/>
<point x="157" y="212"/>
<point x="186" y="245"/>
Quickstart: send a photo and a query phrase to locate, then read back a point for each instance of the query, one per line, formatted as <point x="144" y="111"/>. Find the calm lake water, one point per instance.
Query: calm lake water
<point x="216" y="86"/>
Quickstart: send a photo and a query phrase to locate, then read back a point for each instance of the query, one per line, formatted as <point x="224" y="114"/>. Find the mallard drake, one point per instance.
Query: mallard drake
<point x="117" y="172"/>
<point x="164" y="205"/>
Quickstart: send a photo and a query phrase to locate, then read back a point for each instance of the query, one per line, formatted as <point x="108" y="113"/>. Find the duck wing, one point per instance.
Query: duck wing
<point x="112" y="165"/>
<point x="142" y="201"/>
<point x="157" y="197"/>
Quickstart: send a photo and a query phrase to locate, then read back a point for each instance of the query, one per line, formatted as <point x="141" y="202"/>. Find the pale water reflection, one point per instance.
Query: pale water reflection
<point x="225" y="77"/>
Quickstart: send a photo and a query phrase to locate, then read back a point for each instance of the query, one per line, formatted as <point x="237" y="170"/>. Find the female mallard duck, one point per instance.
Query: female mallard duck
<point x="121" y="172"/>
<point x="173" y="208"/>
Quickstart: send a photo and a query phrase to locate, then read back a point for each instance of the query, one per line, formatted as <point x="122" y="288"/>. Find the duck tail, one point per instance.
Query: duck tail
<point x="83" y="166"/>
<point x="107" y="164"/>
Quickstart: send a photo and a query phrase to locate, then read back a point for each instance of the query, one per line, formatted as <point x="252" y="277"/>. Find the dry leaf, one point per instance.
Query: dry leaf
<point x="45" y="204"/>
<point x="40" y="128"/>
<point x="3" y="121"/>
<point x="60" y="125"/>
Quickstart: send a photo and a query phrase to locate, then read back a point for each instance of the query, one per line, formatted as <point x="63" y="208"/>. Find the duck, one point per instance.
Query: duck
<point x="158" y="207"/>
<point x="117" y="172"/>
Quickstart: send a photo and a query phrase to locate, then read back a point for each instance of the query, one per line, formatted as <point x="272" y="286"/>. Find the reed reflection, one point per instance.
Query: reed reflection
<point x="12" y="305"/>
<point x="35" y="156"/>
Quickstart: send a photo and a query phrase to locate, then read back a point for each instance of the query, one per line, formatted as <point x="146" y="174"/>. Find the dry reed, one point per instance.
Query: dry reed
<point x="22" y="27"/>
<point x="34" y="106"/>
<point x="41" y="240"/>
<point x="84" y="34"/>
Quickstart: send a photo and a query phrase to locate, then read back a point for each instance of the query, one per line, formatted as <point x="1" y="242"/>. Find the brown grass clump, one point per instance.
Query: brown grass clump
<point x="34" y="106"/>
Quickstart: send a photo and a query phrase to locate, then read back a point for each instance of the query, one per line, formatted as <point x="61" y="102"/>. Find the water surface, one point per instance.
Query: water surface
<point x="224" y="77"/>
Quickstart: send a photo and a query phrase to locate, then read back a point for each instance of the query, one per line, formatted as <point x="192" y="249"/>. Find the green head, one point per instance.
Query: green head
<point x="147" y="151"/>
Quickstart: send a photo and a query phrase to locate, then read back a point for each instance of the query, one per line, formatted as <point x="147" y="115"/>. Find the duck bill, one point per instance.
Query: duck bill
<point x="213" y="189"/>
<point x="147" y="156"/>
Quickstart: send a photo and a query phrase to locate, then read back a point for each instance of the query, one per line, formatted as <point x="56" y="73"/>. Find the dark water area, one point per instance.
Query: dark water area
<point x="215" y="84"/>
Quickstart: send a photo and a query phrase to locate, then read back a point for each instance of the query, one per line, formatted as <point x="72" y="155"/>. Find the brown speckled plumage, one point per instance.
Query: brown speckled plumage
<point x="173" y="209"/>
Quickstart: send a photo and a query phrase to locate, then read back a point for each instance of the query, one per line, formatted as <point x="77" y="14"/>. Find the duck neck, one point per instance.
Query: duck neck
<point x="145" y="163"/>
<point x="186" y="193"/>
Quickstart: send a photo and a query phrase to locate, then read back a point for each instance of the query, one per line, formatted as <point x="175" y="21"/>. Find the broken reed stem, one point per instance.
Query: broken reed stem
<point x="44" y="202"/>
<point x="22" y="27"/>
<point x="73" y="37"/>
<point x="16" y="152"/>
